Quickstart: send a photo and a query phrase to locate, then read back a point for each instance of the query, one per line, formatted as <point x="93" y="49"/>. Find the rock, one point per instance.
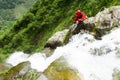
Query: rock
<point x="42" y="77"/>
<point x="103" y="50"/>
<point x="58" y="39"/>
<point x="48" y="51"/>
<point x="108" y="18"/>
<point x="21" y="71"/>
<point x="90" y="23"/>
<point x="17" y="71"/>
<point x="32" y="75"/>
<point x="60" y="70"/>
<point x="117" y="52"/>
<point x="103" y="22"/>
<point x="116" y="74"/>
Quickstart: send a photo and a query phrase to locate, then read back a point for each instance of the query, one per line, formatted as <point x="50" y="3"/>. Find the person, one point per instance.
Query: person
<point x="78" y="19"/>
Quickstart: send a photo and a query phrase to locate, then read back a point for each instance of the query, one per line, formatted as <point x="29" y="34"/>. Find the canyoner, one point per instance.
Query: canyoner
<point x="78" y="21"/>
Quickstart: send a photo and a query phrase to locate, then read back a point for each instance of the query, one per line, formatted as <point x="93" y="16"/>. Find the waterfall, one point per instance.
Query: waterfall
<point x="95" y="59"/>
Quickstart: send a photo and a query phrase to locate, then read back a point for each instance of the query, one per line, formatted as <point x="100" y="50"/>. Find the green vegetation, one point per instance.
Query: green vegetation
<point x="11" y="10"/>
<point x="30" y="33"/>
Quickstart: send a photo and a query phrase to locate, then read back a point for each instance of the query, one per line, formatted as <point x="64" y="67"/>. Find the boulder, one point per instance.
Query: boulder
<point x="21" y="71"/>
<point x="116" y="74"/>
<point x="104" y="21"/>
<point x="17" y="71"/>
<point x="108" y="18"/>
<point x="61" y="70"/>
<point x="58" y="39"/>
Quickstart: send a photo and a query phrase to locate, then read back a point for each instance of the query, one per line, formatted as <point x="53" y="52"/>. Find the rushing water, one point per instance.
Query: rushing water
<point x="95" y="59"/>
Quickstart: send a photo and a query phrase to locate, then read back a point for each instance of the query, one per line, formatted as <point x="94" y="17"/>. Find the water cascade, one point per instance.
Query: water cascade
<point x="95" y="59"/>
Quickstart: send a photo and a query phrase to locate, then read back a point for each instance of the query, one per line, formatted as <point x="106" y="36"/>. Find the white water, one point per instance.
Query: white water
<point x="82" y="52"/>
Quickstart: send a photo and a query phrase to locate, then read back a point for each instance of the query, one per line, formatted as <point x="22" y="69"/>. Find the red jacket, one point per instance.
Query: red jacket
<point x="80" y="17"/>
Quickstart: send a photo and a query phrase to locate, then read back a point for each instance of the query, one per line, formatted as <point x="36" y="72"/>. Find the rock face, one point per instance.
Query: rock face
<point x="58" y="39"/>
<point x="104" y="21"/>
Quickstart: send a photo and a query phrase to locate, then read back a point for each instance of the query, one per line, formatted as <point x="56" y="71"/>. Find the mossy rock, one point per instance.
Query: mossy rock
<point x="60" y="70"/>
<point x="116" y="74"/>
<point x="17" y="71"/>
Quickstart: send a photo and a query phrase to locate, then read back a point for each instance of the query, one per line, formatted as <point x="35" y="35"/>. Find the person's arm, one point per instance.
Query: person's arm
<point x="75" y="19"/>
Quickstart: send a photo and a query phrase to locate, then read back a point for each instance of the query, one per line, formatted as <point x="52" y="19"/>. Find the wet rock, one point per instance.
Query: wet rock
<point x="42" y="77"/>
<point x="116" y="74"/>
<point x="108" y="18"/>
<point x="58" y="39"/>
<point x="100" y="51"/>
<point x="90" y="23"/>
<point x="21" y="71"/>
<point x="48" y="51"/>
<point x="103" y="22"/>
<point x="60" y="70"/>
<point x="117" y="52"/>
<point x="17" y="71"/>
<point x="32" y="75"/>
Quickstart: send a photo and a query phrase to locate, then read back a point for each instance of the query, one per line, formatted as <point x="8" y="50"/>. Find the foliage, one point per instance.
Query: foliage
<point x="11" y="10"/>
<point x="30" y="33"/>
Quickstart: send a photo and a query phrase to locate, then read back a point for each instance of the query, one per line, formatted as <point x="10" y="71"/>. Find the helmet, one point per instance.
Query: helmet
<point x="78" y="12"/>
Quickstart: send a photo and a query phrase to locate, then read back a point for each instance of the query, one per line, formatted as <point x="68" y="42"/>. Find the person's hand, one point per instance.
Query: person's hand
<point x="80" y="20"/>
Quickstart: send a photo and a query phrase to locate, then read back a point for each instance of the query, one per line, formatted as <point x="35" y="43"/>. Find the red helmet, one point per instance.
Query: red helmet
<point x="78" y="12"/>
